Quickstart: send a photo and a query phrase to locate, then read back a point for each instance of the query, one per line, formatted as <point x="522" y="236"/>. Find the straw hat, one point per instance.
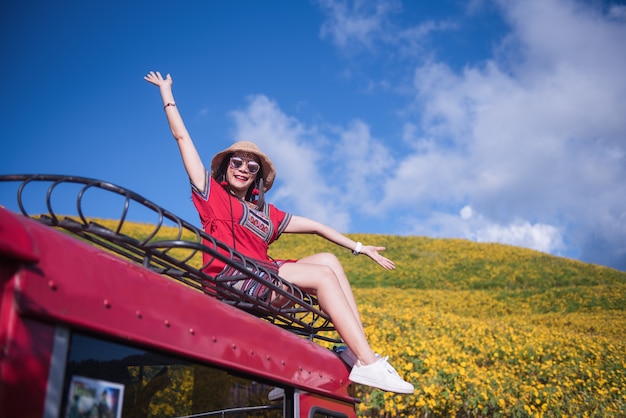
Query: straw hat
<point x="269" y="172"/>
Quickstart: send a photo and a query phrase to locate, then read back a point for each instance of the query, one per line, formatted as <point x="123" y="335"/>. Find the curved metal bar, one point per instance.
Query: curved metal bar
<point x="79" y="207"/>
<point x="289" y="306"/>
<point x="20" y="190"/>
<point x="49" y="199"/>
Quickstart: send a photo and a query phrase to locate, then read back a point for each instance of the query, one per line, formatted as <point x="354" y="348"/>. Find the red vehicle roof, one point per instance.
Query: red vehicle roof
<point x="66" y="281"/>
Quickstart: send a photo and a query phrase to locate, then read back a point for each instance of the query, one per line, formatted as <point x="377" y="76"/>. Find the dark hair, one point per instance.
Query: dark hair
<point x="220" y="176"/>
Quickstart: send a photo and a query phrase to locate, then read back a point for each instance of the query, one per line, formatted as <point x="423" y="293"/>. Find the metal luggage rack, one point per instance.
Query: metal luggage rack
<point x="174" y="248"/>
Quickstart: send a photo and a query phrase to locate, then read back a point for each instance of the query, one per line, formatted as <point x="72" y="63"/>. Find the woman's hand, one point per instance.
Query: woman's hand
<point x="158" y="80"/>
<point x="301" y="225"/>
<point x="372" y="252"/>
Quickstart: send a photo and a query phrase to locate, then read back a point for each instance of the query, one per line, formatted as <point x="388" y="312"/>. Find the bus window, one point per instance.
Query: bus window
<point x="111" y="380"/>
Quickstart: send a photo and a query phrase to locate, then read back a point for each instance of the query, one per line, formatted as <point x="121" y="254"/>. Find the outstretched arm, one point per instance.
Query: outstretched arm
<point x="191" y="159"/>
<point x="301" y="225"/>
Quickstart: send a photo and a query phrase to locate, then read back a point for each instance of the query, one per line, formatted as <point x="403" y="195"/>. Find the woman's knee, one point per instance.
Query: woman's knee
<point x="326" y="272"/>
<point x="328" y="259"/>
<point x="308" y="273"/>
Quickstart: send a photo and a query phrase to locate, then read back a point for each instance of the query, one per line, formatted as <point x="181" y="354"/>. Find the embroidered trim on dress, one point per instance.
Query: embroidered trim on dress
<point x="258" y="222"/>
<point x="207" y="186"/>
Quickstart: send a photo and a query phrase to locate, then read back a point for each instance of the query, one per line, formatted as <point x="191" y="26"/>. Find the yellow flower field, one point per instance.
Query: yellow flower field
<point x="493" y="364"/>
<point x="484" y="330"/>
<point x="488" y="330"/>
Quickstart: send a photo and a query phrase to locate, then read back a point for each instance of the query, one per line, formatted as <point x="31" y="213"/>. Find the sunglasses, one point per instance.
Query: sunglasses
<point x="253" y="166"/>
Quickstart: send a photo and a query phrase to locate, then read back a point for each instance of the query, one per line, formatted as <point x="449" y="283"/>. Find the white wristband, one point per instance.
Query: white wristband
<point x="357" y="249"/>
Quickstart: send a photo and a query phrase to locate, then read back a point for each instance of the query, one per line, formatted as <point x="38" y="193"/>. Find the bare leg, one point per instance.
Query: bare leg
<point x="330" y="260"/>
<point x="322" y="281"/>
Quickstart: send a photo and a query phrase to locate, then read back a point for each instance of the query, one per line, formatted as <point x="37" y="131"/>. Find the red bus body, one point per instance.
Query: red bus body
<point x="54" y="286"/>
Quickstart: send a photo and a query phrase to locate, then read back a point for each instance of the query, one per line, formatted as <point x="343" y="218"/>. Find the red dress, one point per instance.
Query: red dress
<point x="231" y="221"/>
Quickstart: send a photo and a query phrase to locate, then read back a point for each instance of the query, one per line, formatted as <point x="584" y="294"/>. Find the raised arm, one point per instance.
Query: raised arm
<point x="301" y="225"/>
<point x="191" y="159"/>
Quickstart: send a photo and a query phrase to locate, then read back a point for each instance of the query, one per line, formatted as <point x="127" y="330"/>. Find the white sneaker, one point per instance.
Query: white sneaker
<point x="380" y="375"/>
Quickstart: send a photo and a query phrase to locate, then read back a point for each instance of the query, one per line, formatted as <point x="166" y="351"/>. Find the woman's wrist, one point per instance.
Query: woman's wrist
<point x="357" y="248"/>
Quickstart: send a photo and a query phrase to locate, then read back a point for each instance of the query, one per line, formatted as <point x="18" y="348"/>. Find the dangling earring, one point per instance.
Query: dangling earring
<point x="259" y="192"/>
<point x="255" y="191"/>
<point x="224" y="183"/>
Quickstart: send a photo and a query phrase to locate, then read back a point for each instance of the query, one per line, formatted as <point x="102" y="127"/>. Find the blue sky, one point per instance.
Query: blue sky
<point x="495" y="121"/>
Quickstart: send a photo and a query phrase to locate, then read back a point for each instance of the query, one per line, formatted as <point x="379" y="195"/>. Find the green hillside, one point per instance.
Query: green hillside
<point x="442" y="264"/>
<point x="488" y="329"/>
<point x="502" y="279"/>
<point x="454" y="264"/>
<point x="484" y="329"/>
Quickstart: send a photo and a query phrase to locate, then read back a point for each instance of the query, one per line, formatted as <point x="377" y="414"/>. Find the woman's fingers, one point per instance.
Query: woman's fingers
<point x="156" y="78"/>
<point x="373" y="253"/>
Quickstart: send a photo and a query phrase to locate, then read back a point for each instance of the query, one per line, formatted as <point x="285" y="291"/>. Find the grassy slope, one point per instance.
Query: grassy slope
<point x="514" y="279"/>
<point x="438" y="264"/>
<point x="488" y="329"/>
<point x="494" y="279"/>
<point x="485" y="329"/>
<point x="454" y="264"/>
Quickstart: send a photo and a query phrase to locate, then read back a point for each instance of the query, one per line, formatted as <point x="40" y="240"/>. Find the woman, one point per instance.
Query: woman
<point x="231" y="205"/>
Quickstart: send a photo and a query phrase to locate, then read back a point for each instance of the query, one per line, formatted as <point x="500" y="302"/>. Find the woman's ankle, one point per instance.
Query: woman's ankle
<point x="368" y="360"/>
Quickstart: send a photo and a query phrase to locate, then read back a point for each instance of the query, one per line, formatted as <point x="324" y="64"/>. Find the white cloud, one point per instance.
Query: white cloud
<point x="466" y="213"/>
<point x="297" y="153"/>
<point x="541" y="237"/>
<point x="530" y="143"/>
<point x="535" y="134"/>
<point x="317" y="178"/>
<point x="469" y="224"/>
<point x="359" y="161"/>
<point x="357" y="23"/>
<point x="617" y="12"/>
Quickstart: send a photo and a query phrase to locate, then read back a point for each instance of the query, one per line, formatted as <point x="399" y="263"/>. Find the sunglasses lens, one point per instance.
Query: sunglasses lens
<point x="236" y="162"/>
<point x="253" y="167"/>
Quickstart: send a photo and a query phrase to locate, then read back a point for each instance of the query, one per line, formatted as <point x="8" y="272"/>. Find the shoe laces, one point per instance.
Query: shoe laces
<point x="388" y="366"/>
